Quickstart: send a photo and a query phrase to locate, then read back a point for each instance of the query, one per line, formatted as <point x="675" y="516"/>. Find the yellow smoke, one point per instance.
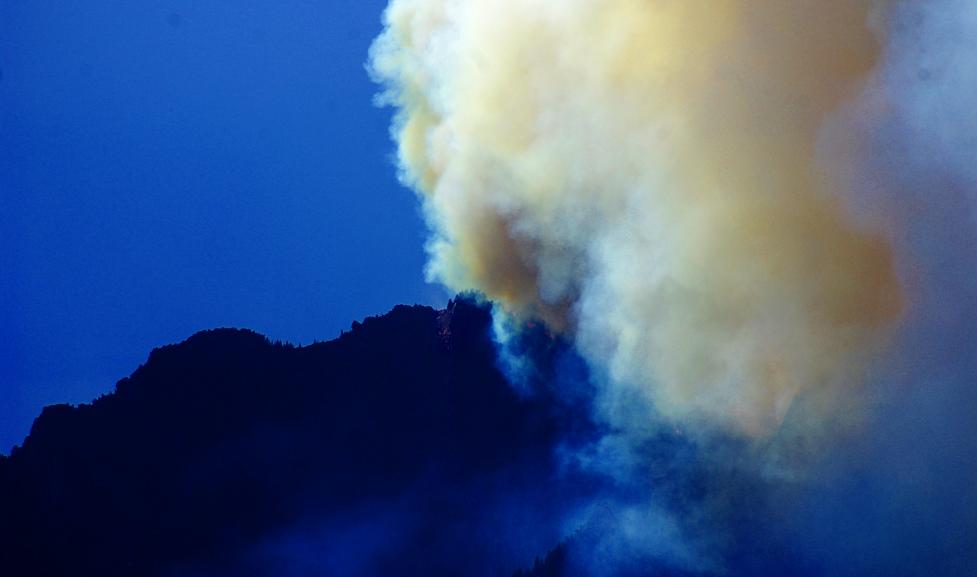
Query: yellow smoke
<point x="641" y="174"/>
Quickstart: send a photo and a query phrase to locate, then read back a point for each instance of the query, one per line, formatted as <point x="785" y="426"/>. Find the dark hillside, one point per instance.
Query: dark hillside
<point x="223" y="441"/>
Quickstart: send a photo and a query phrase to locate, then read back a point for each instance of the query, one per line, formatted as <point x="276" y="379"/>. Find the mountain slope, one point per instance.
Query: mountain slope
<point x="225" y="453"/>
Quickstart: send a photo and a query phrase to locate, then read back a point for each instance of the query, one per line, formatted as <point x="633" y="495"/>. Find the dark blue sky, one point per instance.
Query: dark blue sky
<point x="167" y="167"/>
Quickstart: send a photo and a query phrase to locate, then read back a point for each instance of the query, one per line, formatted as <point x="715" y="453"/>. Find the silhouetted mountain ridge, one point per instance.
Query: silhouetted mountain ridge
<point x="225" y="441"/>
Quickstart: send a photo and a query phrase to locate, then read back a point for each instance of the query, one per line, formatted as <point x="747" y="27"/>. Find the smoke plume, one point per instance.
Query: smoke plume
<point x="643" y="177"/>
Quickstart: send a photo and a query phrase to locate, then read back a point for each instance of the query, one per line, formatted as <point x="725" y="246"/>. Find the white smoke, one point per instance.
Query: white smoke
<point x="930" y="78"/>
<point x="641" y="175"/>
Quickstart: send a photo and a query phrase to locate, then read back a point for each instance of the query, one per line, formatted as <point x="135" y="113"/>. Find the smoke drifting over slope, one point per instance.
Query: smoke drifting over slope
<point x="642" y="176"/>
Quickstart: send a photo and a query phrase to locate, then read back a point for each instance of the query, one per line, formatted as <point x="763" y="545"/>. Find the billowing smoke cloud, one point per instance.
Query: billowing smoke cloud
<point x="642" y="176"/>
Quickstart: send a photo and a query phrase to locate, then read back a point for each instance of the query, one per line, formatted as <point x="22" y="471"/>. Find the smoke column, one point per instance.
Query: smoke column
<point x="643" y="177"/>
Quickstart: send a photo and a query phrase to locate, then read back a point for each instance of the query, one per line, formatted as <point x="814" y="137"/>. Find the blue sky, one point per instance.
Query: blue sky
<point x="167" y="167"/>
